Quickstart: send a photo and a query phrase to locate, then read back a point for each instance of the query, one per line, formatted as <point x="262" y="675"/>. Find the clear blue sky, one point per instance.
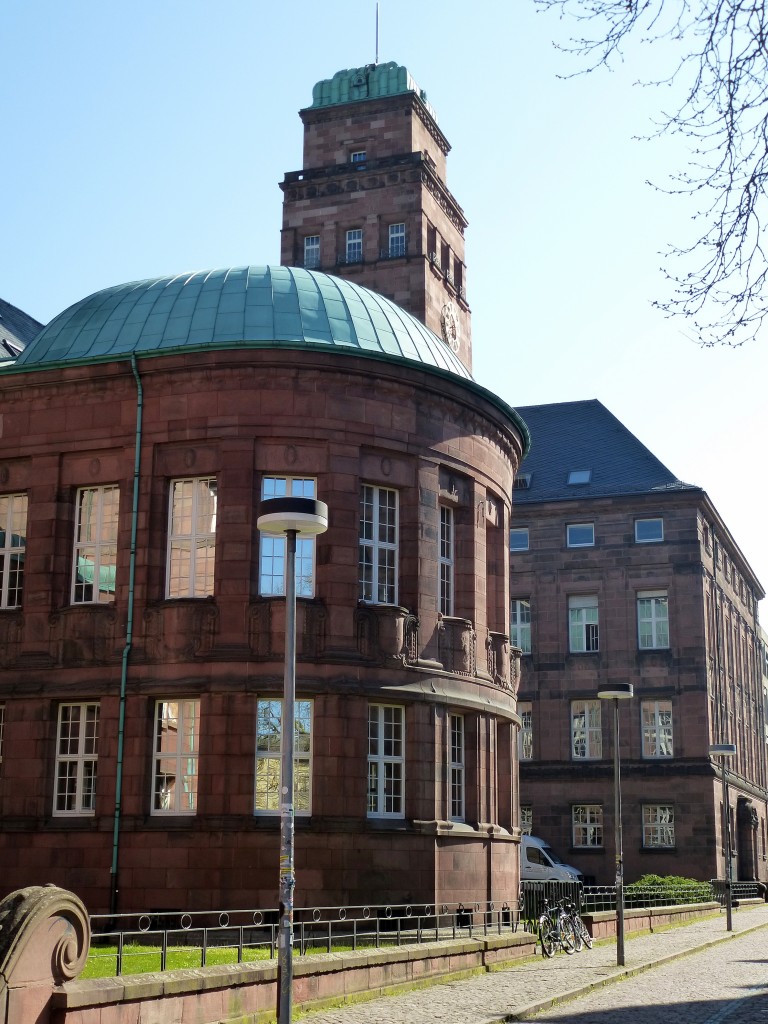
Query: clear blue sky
<point x="149" y="138"/>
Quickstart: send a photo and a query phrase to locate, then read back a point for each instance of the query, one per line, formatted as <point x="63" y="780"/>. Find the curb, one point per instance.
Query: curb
<point x="522" y="1013"/>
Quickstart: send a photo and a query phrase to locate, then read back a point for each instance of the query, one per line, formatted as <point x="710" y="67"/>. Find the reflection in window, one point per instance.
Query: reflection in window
<point x="272" y="551"/>
<point x="177" y="746"/>
<point x="586" y="730"/>
<point x="658" y="825"/>
<point x="13" y="543"/>
<point x="386" y="761"/>
<point x="520" y="624"/>
<point x="657" y="728"/>
<point x="269" y="753"/>
<point x="377" y="557"/>
<point x="587" y="824"/>
<point x="525" y="738"/>
<point x="95" y="557"/>
<point x="192" y="541"/>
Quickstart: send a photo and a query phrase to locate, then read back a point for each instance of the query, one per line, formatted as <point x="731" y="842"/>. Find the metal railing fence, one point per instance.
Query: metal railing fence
<point x="132" y="943"/>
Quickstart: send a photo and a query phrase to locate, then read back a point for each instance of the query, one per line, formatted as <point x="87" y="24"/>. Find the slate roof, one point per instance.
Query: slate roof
<point x="17" y="329"/>
<point x="573" y="436"/>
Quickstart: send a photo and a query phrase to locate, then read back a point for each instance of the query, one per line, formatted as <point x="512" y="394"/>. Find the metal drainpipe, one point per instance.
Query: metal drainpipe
<point x="128" y="641"/>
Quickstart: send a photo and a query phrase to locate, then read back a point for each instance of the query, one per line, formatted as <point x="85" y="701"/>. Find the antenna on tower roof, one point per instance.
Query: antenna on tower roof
<point x="377" y="31"/>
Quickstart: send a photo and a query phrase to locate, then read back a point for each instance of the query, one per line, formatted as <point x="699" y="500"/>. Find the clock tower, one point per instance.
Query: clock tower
<point x="371" y="203"/>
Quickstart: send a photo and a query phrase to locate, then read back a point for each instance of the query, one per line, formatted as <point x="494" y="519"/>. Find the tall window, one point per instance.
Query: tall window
<point x="76" y="756"/>
<point x="13" y="544"/>
<point x="587" y="824"/>
<point x="312" y="252"/>
<point x="526" y="819"/>
<point x="2" y="731"/>
<point x="268" y="756"/>
<point x="658" y="825"/>
<point x="456" y="767"/>
<point x="95" y="556"/>
<point x="583" y="635"/>
<point x="177" y="747"/>
<point x="657" y="728"/>
<point x="525" y="739"/>
<point x="580" y="535"/>
<point x="272" y="549"/>
<point x="192" y="541"/>
<point x="354" y="248"/>
<point x="446" y="560"/>
<point x="386" y="761"/>
<point x="378" y="545"/>
<point x="396" y="240"/>
<point x="586" y="730"/>
<point x="518" y="538"/>
<point x="652" y="619"/>
<point x="520" y="624"/>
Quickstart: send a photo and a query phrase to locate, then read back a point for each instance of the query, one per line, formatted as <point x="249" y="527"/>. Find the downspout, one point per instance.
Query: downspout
<point x="128" y="640"/>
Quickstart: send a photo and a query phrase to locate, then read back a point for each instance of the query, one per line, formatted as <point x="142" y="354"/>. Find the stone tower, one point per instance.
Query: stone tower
<point x="371" y="203"/>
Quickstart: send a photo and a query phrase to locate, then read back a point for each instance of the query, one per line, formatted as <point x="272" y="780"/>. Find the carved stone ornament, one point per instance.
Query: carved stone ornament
<point x="449" y="324"/>
<point x="45" y="935"/>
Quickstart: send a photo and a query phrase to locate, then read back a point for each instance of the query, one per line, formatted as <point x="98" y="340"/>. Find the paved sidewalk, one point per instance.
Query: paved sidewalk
<point x="518" y="992"/>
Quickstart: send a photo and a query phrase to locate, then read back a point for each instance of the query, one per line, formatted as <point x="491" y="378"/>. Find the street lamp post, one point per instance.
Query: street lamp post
<point x="289" y="517"/>
<point x="724" y="751"/>
<point x="617" y="692"/>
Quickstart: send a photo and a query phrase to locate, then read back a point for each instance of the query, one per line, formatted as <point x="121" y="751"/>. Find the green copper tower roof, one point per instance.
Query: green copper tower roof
<point x="244" y="308"/>
<point x="240" y="307"/>
<point x="367" y="83"/>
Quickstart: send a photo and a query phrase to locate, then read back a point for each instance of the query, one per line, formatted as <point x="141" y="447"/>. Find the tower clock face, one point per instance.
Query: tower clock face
<point x="449" y="323"/>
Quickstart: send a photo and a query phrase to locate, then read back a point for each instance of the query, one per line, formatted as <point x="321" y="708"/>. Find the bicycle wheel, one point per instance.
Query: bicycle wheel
<point x="567" y="938"/>
<point x="578" y="940"/>
<point x="546" y="936"/>
<point x="581" y="929"/>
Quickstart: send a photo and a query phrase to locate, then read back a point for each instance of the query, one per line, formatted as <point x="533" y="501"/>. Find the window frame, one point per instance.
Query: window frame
<point x="657" y="626"/>
<point x="456" y="768"/>
<point x="526" y="819"/>
<point x="446" y="559"/>
<point x="106" y="519"/>
<point x="353" y="245"/>
<point x="521" y="532"/>
<point x="581" y="626"/>
<point x="525" y="735"/>
<point x="272" y="757"/>
<point x="519" y="625"/>
<point x="193" y="540"/>
<point x="272" y="546"/>
<point x="654" y="829"/>
<point x="396" y="240"/>
<point x="179" y="756"/>
<point x="375" y="555"/>
<point x="84" y="792"/>
<point x="383" y="762"/>
<point x="311" y="252"/>
<point x="649" y="540"/>
<point x="571" y="543"/>
<point x="13" y="556"/>
<point x="358" y="156"/>
<point x="655" y="734"/>
<point x="591" y="827"/>
<point x="589" y="732"/>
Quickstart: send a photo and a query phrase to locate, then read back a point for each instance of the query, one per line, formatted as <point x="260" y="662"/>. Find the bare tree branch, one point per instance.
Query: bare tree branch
<point x="721" y="75"/>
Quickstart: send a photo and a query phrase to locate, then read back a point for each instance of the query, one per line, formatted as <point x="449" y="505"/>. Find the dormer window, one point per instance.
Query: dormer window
<point x="579" y="476"/>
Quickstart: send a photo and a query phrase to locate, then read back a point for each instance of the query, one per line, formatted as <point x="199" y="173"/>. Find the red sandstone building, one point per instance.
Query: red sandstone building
<point x="622" y="573"/>
<point x="142" y="618"/>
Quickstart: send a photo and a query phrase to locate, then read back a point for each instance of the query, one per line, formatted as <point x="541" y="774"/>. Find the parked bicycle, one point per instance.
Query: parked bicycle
<point x="580" y="930"/>
<point x="556" y="930"/>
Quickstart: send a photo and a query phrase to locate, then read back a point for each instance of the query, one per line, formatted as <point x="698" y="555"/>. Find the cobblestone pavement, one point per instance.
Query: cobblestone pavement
<point x="733" y="984"/>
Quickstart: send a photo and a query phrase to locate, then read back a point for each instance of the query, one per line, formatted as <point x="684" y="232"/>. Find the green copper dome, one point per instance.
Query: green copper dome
<point x="242" y="307"/>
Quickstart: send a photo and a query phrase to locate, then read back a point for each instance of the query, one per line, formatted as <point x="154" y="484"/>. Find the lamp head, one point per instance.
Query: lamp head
<point x="306" y="516"/>
<point x="722" y="749"/>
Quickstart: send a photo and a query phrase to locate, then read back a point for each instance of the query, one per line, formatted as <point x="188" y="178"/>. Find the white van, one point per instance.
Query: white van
<point x="539" y="862"/>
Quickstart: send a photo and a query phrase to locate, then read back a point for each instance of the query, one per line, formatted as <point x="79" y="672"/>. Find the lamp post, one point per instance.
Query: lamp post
<point x="724" y="751"/>
<point x="291" y="517"/>
<point x="617" y="692"/>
